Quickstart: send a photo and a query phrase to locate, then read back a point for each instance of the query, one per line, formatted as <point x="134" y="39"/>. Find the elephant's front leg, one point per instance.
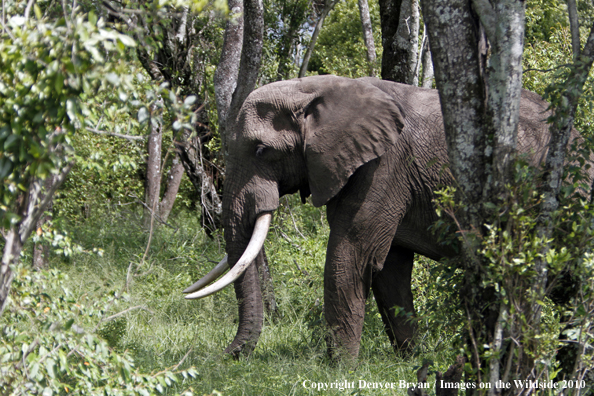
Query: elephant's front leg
<point x="346" y="287"/>
<point x="392" y="289"/>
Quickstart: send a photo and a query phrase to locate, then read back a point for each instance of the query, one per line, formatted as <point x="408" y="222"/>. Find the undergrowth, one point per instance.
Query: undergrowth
<point x="144" y="317"/>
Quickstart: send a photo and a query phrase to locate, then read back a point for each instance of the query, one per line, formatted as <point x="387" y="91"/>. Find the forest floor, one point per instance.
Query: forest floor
<point x="161" y="329"/>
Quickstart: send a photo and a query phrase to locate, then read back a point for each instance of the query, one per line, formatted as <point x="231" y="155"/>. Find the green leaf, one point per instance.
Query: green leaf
<point x="68" y="324"/>
<point x="33" y="369"/>
<point x="143" y="115"/>
<point x="92" y="18"/>
<point x="59" y="83"/>
<point x="49" y="367"/>
<point x="190" y="100"/>
<point x="113" y="78"/>
<point x="11" y="141"/>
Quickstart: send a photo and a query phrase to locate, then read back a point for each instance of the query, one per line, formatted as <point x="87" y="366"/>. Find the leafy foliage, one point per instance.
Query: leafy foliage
<point x="340" y="48"/>
<point x="510" y="248"/>
<point x="48" y="345"/>
<point x="46" y="68"/>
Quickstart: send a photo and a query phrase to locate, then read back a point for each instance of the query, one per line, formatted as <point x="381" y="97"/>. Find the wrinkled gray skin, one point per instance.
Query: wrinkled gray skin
<point x="373" y="152"/>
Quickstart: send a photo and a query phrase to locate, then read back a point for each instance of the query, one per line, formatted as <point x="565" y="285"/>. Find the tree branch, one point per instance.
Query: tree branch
<point x="125" y="311"/>
<point x="129" y="137"/>
<point x="485" y="11"/>
<point x="35" y="211"/>
<point x="574" y="25"/>
<point x="329" y="6"/>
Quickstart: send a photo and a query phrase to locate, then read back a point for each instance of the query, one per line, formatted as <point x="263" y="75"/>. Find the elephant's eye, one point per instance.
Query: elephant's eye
<point x="260" y="150"/>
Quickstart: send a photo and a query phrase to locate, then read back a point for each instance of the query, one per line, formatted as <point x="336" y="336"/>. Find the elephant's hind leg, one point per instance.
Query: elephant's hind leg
<point x="392" y="288"/>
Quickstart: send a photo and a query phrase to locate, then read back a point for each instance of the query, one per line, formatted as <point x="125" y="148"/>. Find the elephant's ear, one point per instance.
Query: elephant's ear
<point x="348" y="124"/>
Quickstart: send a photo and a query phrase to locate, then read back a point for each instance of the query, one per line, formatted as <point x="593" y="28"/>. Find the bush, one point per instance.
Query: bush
<point x="49" y="345"/>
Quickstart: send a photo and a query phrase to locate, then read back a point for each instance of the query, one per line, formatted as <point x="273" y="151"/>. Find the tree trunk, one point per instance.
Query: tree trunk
<point x="574" y="25"/>
<point x="41" y="250"/>
<point x="504" y="27"/>
<point x="367" y="35"/>
<point x="453" y="34"/>
<point x="329" y="6"/>
<point x="427" y="64"/>
<point x="400" y="31"/>
<point x="30" y="209"/>
<point x="172" y="187"/>
<point x="561" y="128"/>
<point x="190" y="154"/>
<point x="251" y="57"/>
<point x="152" y="186"/>
<point x="225" y="77"/>
<point x="10" y="256"/>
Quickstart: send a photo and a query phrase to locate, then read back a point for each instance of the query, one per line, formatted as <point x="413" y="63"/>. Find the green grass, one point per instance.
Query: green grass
<point x="291" y="348"/>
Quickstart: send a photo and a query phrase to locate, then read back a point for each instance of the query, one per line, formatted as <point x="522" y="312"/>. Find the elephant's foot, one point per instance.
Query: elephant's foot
<point x="241" y="347"/>
<point x="342" y="347"/>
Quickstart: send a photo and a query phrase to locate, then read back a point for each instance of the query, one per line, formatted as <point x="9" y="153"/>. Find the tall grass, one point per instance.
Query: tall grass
<point x="163" y="329"/>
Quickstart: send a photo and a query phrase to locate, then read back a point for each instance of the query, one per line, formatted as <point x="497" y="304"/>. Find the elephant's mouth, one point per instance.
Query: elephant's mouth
<point x="199" y="290"/>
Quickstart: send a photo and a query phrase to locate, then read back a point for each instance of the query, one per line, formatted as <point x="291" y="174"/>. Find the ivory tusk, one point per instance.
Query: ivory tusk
<point x="211" y="276"/>
<point x="248" y="256"/>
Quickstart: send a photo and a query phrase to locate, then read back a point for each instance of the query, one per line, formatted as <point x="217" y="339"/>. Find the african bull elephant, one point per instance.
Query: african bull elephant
<point x="373" y="152"/>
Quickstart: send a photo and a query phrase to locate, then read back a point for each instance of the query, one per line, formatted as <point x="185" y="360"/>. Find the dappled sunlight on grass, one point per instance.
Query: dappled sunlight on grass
<point x="163" y="329"/>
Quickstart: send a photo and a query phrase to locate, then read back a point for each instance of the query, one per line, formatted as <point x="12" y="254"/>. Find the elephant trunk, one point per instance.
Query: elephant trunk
<point x="247" y="212"/>
<point x="251" y="313"/>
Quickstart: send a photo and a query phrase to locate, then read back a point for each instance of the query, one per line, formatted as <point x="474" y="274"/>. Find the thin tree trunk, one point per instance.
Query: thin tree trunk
<point x="329" y="6"/>
<point x="427" y="65"/>
<point x="560" y="134"/>
<point x="173" y="181"/>
<point x="41" y="250"/>
<point x="190" y="153"/>
<point x="504" y="26"/>
<point x="367" y="35"/>
<point x="10" y="256"/>
<point x="574" y="25"/>
<point x="225" y="77"/>
<point x="251" y="56"/>
<point x="30" y="209"/>
<point x="153" y="168"/>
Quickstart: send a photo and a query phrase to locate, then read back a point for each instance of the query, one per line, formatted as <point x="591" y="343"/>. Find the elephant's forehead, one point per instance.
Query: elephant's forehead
<point x="274" y="107"/>
<point x="280" y="95"/>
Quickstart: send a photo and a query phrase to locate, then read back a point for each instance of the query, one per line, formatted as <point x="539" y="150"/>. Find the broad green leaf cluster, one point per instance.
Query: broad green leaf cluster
<point x="49" y="345"/>
<point x="46" y="68"/>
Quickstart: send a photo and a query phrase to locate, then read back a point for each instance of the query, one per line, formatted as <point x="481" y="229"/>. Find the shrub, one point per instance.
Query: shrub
<point x="49" y="345"/>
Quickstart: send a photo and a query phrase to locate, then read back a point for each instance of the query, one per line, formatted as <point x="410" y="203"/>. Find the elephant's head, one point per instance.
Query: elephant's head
<point x="308" y="135"/>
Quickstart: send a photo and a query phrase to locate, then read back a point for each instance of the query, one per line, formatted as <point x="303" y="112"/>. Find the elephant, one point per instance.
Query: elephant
<point x="373" y="152"/>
